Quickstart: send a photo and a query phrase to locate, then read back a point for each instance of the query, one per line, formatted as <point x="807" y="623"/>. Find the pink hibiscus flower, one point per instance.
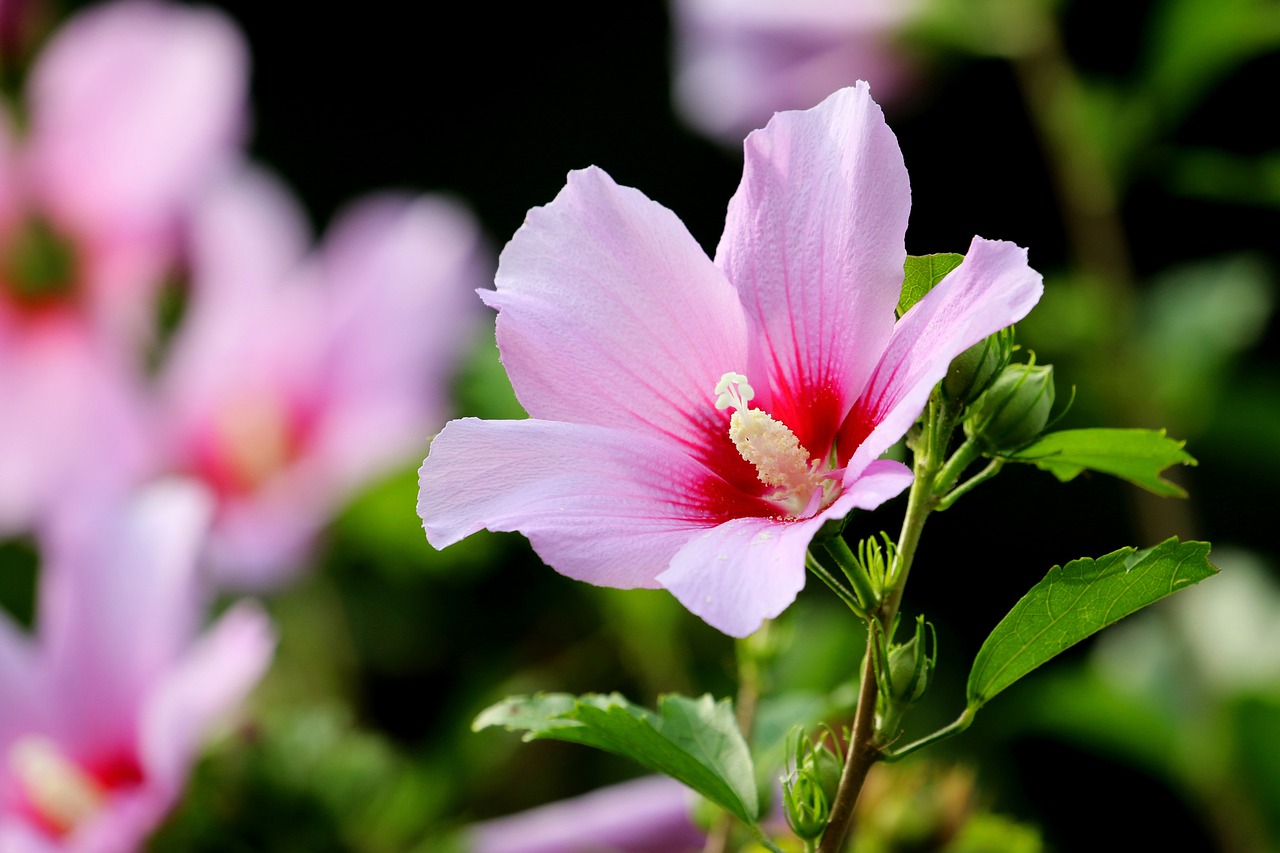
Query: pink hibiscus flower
<point x="737" y="62"/>
<point x="300" y="377"/>
<point x="651" y="814"/>
<point x="130" y="109"/>
<point x="106" y="706"/>
<point x="695" y="422"/>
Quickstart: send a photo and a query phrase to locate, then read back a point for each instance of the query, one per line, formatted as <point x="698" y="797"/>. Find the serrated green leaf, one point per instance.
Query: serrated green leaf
<point x="1136" y="455"/>
<point x="1077" y="600"/>
<point x="921" y="274"/>
<point x="696" y="741"/>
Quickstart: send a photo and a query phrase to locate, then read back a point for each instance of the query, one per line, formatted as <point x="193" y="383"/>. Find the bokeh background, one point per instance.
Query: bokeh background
<point x="1167" y="733"/>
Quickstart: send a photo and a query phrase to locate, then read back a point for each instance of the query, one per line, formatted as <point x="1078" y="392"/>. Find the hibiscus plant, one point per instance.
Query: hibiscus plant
<point x="707" y="426"/>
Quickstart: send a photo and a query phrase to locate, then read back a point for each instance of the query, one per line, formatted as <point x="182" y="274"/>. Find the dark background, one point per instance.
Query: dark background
<point x="495" y="103"/>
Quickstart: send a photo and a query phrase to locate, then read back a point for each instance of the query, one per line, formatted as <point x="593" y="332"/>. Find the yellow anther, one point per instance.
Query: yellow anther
<point x="770" y="446"/>
<point x="57" y="788"/>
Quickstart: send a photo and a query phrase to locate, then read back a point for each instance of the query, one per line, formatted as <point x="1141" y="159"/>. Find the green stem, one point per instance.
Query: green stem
<point x="863" y="750"/>
<point x="838" y="588"/>
<point x="955" y="728"/>
<point x="969" y="485"/>
<point x="848" y="562"/>
<point x="965" y="455"/>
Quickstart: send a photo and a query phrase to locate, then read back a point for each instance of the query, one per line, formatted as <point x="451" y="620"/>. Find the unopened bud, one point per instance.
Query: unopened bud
<point x="910" y="671"/>
<point x="1015" y="409"/>
<point x="810" y="787"/>
<point x="973" y="371"/>
<point x="806" y="805"/>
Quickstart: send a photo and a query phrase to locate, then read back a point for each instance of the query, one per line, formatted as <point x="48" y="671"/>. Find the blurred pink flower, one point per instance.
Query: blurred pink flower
<point x="737" y="62"/>
<point x="297" y="379"/>
<point x="629" y="347"/>
<point x="106" y="706"/>
<point x="129" y="110"/>
<point x="646" y="815"/>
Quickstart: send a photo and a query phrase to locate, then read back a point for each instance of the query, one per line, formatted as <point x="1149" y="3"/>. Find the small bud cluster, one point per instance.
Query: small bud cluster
<point x="1014" y="410"/>
<point x="811" y="783"/>
<point x="904" y="671"/>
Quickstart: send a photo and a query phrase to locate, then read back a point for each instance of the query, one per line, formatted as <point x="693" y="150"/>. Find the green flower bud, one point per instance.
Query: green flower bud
<point x="806" y="807"/>
<point x="973" y="371"/>
<point x="811" y="785"/>
<point x="825" y="767"/>
<point x="909" y="671"/>
<point x="1015" y="409"/>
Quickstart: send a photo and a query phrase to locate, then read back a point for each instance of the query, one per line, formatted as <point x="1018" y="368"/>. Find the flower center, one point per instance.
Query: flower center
<point x="247" y="443"/>
<point x="61" y="795"/>
<point x="771" y="447"/>
<point x="38" y="267"/>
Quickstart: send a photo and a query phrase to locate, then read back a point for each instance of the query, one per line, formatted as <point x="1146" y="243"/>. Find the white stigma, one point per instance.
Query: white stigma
<point x="60" y="791"/>
<point x="769" y="445"/>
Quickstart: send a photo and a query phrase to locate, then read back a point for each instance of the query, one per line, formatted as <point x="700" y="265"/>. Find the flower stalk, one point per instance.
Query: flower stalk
<point x="864" y="750"/>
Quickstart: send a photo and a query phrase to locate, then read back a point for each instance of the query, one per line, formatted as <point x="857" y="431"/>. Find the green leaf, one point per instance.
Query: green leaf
<point x="921" y="274"/>
<point x="1078" y="600"/>
<point x="696" y="741"/>
<point x="1136" y="455"/>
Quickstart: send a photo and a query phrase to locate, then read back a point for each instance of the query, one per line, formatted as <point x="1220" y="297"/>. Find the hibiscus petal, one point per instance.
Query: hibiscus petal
<point x="611" y="314"/>
<point x="992" y="289"/>
<point x="120" y="602"/>
<point x="737" y="63"/>
<point x="814" y="242"/>
<point x="881" y="480"/>
<point x="651" y="813"/>
<point x="400" y="274"/>
<point x="75" y="420"/>
<point x="212" y="678"/>
<point x="606" y="506"/>
<point x="131" y="105"/>
<point x="750" y="569"/>
<point x="248" y="233"/>
<point x="744" y="571"/>
<point x="18" y="677"/>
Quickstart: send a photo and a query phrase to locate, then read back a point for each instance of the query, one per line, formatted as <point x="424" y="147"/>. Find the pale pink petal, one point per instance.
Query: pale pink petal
<point x="881" y="480"/>
<point x="123" y="825"/>
<point x="210" y="681"/>
<point x="744" y="571"/>
<point x="401" y="274"/>
<point x="750" y="569"/>
<point x="738" y="61"/>
<point x="247" y="234"/>
<point x="814" y="243"/>
<point x="132" y="105"/>
<point x="992" y="289"/>
<point x="607" y="506"/>
<point x="18" y="675"/>
<point x="264" y="538"/>
<point x="610" y="313"/>
<point x="18" y="836"/>
<point x="73" y="419"/>
<point x="120" y="601"/>
<point x="646" y="815"/>
<point x="254" y="327"/>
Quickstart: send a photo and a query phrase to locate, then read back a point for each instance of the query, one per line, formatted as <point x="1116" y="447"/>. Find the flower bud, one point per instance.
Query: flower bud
<point x="973" y="371"/>
<point x="908" y="673"/>
<point x="910" y="670"/>
<point x="805" y="804"/>
<point x="825" y="767"/>
<point x="812" y="784"/>
<point x="1015" y="409"/>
